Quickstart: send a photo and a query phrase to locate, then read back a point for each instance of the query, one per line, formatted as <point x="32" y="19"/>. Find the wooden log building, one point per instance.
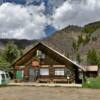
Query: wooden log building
<point x="44" y="64"/>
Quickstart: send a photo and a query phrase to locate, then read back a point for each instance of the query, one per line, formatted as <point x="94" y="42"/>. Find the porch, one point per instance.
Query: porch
<point x="45" y="84"/>
<point x="49" y="74"/>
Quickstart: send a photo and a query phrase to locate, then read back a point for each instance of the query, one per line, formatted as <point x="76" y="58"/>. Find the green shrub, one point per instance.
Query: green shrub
<point x="92" y="83"/>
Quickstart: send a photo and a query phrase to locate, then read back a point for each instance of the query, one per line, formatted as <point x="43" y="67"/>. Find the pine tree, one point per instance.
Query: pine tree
<point x="78" y="58"/>
<point x="92" y="57"/>
<point x="9" y="55"/>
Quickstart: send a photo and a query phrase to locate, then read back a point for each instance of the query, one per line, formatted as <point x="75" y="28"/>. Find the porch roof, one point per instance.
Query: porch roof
<point x="92" y="68"/>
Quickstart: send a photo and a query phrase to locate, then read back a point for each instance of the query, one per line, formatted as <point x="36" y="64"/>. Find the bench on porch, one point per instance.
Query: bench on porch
<point x="43" y="80"/>
<point x="59" y="81"/>
<point x="63" y="79"/>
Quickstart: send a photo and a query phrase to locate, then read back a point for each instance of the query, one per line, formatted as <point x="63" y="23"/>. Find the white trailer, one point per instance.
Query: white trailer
<point x="4" y="77"/>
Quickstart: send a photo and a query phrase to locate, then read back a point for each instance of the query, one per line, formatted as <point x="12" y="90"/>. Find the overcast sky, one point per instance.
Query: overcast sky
<point x="29" y="19"/>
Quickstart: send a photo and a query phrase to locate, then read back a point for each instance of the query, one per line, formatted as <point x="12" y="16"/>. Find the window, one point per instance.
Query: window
<point x="80" y="75"/>
<point x="59" y="71"/>
<point x="40" y="54"/>
<point x="44" y="71"/>
<point x="7" y="75"/>
<point x="3" y="76"/>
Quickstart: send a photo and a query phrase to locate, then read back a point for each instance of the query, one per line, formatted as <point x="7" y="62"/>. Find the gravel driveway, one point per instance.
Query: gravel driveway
<point x="48" y="93"/>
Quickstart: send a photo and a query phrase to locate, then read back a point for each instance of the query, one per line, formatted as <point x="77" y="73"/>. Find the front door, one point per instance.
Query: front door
<point x="32" y="74"/>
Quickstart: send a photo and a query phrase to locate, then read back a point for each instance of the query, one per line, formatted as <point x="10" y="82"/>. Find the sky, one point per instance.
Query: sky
<point x="37" y="19"/>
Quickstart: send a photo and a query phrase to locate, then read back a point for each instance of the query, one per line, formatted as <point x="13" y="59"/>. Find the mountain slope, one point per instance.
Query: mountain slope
<point x="62" y="41"/>
<point x="91" y="27"/>
<point x="22" y="44"/>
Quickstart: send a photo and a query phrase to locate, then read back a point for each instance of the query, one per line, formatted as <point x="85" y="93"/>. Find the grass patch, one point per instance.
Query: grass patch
<point x="92" y="83"/>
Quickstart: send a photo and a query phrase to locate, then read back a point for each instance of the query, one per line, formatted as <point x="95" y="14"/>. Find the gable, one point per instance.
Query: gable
<point x="48" y="51"/>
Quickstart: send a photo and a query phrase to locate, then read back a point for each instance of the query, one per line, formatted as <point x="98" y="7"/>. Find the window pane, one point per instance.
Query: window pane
<point x="59" y="72"/>
<point x="80" y="75"/>
<point x="7" y="75"/>
<point x="38" y="53"/>
<point x="44" y="71"/>
<point x="3" y="76"/>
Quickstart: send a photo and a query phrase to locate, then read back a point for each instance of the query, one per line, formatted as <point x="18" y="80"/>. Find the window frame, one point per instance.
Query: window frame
<point x="40" y="54"/>
<point x="3" y="76"/>
<point x="60" y="72"/>
<point x="7" y="75"/>
<point x="44" y="69"/>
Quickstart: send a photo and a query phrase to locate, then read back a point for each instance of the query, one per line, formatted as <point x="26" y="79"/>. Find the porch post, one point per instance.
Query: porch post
<point x="77" y="80"/>
<point x="84" y="77"/>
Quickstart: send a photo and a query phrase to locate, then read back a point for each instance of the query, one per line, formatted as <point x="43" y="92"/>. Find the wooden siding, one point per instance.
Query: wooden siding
<point x="52" y="60"/>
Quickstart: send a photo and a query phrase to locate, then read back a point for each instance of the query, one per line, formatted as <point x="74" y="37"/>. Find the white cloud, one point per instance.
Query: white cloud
<point x="18" y="21"/>
<point x="29" y="21"/>
<point x="77" y="12"/>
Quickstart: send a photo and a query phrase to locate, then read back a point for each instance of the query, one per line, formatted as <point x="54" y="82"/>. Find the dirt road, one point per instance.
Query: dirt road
<point x="48" y="93"/>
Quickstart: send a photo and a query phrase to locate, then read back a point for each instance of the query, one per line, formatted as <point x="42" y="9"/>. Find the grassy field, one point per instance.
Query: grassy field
<point x="92" y="83"/>
<point x="48" y="93"/>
